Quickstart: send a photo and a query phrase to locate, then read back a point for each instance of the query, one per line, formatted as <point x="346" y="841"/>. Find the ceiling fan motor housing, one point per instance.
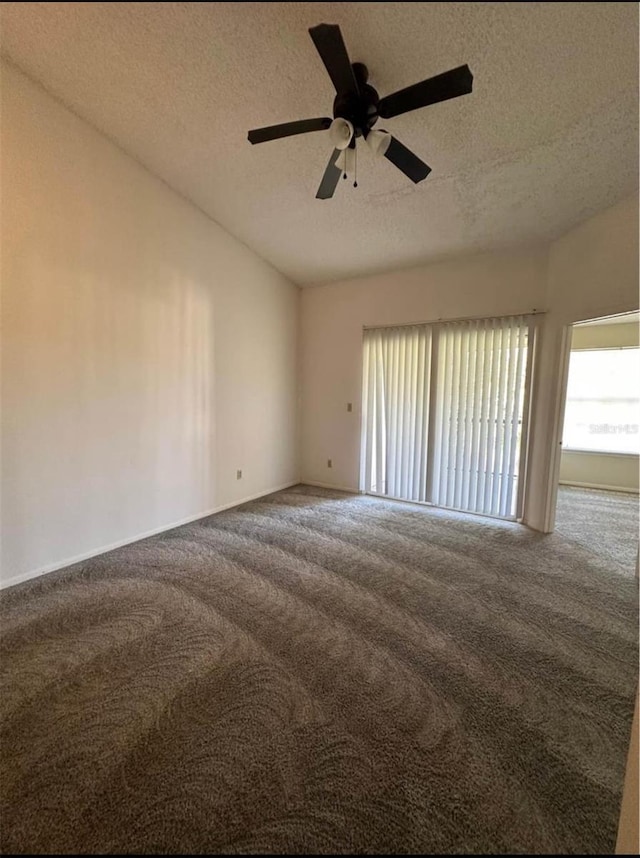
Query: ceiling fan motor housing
<point x="361" y="110"/>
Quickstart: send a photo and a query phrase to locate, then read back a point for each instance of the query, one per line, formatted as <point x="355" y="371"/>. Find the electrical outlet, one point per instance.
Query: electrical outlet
<point x="238" y="475"/>
<point x="329" y="463"/>
<point x="349" y="406"/>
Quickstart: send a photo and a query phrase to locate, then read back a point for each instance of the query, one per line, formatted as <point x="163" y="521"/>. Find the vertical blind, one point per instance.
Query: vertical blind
<point x="444" y="411"/>
<point x="479" y="414"/>
<point x="397" y="365"/>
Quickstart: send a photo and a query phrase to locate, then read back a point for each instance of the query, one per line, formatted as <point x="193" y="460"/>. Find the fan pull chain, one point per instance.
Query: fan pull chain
<point x="355" y="166"/>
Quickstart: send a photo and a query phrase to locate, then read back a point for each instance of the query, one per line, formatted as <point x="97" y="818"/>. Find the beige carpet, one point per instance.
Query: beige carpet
<point x="320" y="672"/>
<point x="605" y="523"/>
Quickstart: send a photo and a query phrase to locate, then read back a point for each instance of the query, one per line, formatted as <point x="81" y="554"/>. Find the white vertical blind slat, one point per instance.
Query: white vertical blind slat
<point x="454" y="398"/>
<point x="405" y="351"/>
<point x="516" y="435"/>
<point x="398" y="364"/>
<point x="394" y="417"/>
<point x="412" y="414"/>
<point x="458" y="426"/>
<point x="503" y="417"/>
<point x="487" y="359"/>
<point x="419" y="432"/>
<point x="391" y="361"/>
<point x="509" y="418"/>
<point x="463" y="460"/>
<point x="400" y="406"/>
<point x="476" y="362"/>
<point x="494" y="427"/>
<point x="422" y="426"/>
<point x="380" y="415"/>
<point x="365" y="472"/>
<point x="444" y="406"/>
<point x="492" y="418"/>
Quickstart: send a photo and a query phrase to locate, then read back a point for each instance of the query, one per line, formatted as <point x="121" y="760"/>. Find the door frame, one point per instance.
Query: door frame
<point x="557" y="431"/>
<point x="557" y="426"/>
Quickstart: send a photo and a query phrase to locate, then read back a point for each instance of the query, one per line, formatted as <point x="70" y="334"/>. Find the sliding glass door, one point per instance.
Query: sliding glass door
<point x="445" y="409"/>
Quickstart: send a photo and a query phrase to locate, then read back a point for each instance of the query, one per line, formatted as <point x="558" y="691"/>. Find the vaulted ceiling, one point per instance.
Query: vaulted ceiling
<point x="548" y="137"/>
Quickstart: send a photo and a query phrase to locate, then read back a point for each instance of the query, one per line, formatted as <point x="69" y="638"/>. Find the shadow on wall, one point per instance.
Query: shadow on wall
<point x="119" y="382"/>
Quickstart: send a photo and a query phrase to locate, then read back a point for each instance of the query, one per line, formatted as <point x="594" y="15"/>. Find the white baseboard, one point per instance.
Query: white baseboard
<point x="598" y="486"/>
<point x="70" y="561"/>
<point x="330" y="486"/>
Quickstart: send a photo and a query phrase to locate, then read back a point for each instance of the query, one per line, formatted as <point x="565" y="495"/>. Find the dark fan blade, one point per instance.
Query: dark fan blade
<point x="330" y="45"/>
<point x="405" y="160"/>
<point x="274" y="132"/>
<point x="330" y="179"/>
<point x="443" y="86"/>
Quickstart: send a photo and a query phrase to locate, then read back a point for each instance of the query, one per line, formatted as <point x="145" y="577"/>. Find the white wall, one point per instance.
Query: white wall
<point x="590" y="272"/>
<point x="146" y="354"/>
<point x="614" y="471"/>
<point x="593" y="269"/>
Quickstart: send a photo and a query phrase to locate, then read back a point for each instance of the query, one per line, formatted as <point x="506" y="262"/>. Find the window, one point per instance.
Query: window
<point x="603" y="401"/>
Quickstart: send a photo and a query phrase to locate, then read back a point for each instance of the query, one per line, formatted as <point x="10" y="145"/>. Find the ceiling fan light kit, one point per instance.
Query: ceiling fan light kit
<point x="340" y="133"/>
<point x="357" y="107"/>
<point x="346" y="161"/>
<point x="378" y="141"/>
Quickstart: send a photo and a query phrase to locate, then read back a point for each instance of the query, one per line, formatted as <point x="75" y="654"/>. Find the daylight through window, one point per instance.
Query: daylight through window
<point x="603" y="401"/>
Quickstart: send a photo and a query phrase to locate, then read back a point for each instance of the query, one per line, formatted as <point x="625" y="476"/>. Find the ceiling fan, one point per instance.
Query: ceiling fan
<point x="357" y="107"/>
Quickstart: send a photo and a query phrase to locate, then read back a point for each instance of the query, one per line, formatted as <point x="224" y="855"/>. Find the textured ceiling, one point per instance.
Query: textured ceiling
<point x="548" y="137"/>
